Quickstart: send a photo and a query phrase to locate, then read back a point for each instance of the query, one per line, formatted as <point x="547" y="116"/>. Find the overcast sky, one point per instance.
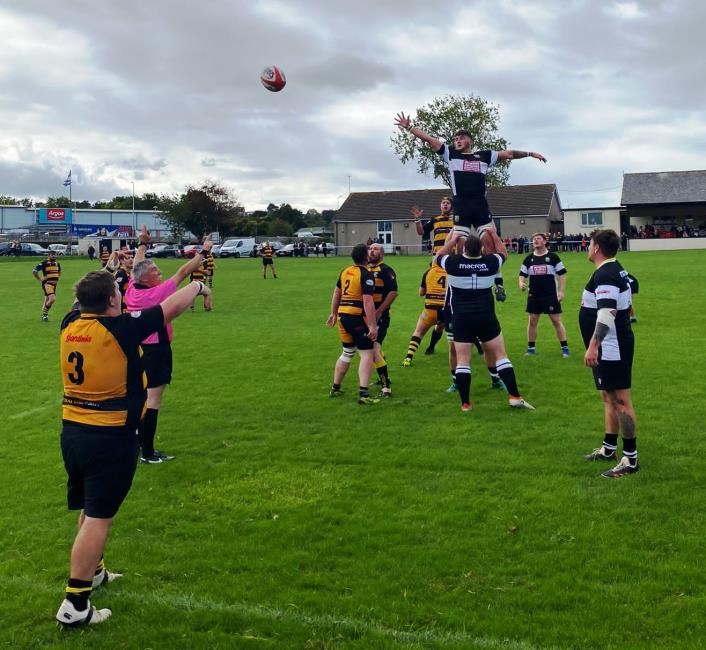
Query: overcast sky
<point x="167" y="92"/>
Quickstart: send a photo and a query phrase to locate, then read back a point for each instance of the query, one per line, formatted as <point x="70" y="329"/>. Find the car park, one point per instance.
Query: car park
<point x="24" y="248"/>
<point x="286" y="251"/>
<point x="238" y="247"/>
<point x="163" y="250"/>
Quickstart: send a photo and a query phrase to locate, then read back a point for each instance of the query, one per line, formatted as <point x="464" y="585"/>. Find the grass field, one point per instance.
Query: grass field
<point x="290" y="520"/>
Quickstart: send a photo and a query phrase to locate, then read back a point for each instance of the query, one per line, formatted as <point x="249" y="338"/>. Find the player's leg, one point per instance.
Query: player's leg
<point x="560" y="333"/>
<point x="343" y="362"/>
<point x="365" y="368"/>
<point x="423" y="324"/>
<point x="147" y="429"/>
<point x="452" y="353"/>
<point x="380" y="364"/>
<point x="463" y="373"/>
<point x="274" y="271"/>
<point x="496" y="348"/>
<point x="611" y="427"/>
<point x="532" y="321"/>
<point x="620" y="402"/>
<point x="495" y="381"/>
<point x="436" y="335"/>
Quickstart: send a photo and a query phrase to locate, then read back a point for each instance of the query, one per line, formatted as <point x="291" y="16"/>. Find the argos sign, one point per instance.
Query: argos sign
<point x="55" y="215"/>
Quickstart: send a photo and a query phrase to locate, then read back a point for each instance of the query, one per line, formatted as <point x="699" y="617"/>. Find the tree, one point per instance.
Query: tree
<point x="441" y="119"/>
<point x="203" y="209"/>
<point x="57" y="202"/>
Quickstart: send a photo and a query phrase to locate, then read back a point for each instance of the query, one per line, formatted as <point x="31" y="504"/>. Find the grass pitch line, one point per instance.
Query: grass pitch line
<point x="189" y="603"/>
<point x="24" y="414"/>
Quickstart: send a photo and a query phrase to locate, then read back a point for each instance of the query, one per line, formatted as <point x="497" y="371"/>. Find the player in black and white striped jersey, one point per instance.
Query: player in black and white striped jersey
<point x="543" y="269"/>
<point x="604" y="319"/>
<point x="467" y="172"/>
<point x="470" y="279"/>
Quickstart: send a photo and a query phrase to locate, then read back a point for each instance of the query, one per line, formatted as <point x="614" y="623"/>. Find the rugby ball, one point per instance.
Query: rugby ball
<point x="273" y="78"/>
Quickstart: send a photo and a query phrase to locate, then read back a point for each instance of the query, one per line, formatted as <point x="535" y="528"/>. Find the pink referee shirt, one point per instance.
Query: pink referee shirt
<point x="139" y="299"/>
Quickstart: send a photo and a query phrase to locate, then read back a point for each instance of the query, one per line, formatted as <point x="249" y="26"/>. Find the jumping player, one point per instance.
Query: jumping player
<point x="467" y="172"/>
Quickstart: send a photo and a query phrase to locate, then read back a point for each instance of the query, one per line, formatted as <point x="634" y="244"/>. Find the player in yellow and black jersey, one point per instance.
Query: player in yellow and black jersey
<point x="437" y="228"/>
<point x="50" y="271"/>
<point x="384" y="296"/>
<point x="433" y="289"/>
<point x="268" y="260"/>
<point x="104" y="398"/>
<point x="210" y="268"/>
<point x="353" y="308"/>
<point x="120" y="265"/>
<point x="200" y="274"/>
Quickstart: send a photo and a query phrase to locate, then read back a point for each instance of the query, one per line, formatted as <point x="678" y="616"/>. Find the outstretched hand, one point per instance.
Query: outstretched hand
<point x="416" y="212"/>
<point x="207" y="243"/>
<point x="144" y="235"/>
<point x="403" y="121"/>
<point x="538" y="156"/>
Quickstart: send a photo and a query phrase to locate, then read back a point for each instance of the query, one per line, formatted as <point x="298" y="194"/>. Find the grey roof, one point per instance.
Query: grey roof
<point x="508" y="201"/>
<point x="664" y="187"/>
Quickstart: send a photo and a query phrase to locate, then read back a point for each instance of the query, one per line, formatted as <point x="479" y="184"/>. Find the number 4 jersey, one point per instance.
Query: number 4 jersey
<point x="101" y="367"/>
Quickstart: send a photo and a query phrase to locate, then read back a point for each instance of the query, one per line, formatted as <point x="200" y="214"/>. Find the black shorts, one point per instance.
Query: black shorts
<point x="543" y="304"/>
<point x="267" y="261"/>
<point x="355" y="330"/>
<point x="613" y="375"/>
<point x="157" y="362"/>
<point x="467" y="329"/>
<point x="471" y="213"/>
<point x="383" y="325"/>
<point x="100" y="469"/>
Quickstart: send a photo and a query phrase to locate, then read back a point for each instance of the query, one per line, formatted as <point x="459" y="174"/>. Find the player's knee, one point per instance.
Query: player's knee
<point x="347" y="355"/>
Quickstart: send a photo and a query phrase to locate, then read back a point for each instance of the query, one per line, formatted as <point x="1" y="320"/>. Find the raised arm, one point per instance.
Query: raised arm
<point x="144" y="238"/>
<point x="197" y="260"/>
<point x="513" y="154"/>
<point x="417" y="214"/>
<point x="403" y="122"/>
<point x="181" y="300"/>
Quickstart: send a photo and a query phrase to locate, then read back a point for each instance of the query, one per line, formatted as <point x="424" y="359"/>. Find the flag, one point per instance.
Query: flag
<point x="67" y="182"/>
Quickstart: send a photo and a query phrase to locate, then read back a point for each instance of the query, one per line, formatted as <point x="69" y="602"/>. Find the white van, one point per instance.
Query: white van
<point x="238" y="247"/>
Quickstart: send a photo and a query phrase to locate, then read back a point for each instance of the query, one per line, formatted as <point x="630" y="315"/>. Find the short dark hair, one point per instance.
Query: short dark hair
<point x="607" y="241"/>
<point x="472" y="246"/>
<point x="465" y="132"/>
<point x="360" y="253"/>
<point x="94" y="290"/>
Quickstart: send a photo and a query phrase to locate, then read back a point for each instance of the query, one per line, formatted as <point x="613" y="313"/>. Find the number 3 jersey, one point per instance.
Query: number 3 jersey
<point x="101" y="367"/>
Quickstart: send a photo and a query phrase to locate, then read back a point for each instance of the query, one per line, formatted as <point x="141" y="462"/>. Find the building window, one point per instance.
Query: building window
<point x="591" y="218"/>
<point x="385" y="231"/>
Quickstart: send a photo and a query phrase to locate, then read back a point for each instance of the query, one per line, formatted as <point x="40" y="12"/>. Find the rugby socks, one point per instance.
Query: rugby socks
<point x="494" y="376"/>
<point x="630" y="450"/>
<point x="564" y="347"/>
<point x="78" y="593"/>
<point x="381" y="367"/>
<point x="610" y="442"/>
<point x="531" y="347"/>
<point x="435" y="336"/>
<point x="463" y="382"/>
<point x="507" y="374"/>
<point x="413" y="346"/>
<point x="100" y="567"/>
<point x="363" y="391"/>
<point x="336" y="386"/>
<point x="147" y="431"/>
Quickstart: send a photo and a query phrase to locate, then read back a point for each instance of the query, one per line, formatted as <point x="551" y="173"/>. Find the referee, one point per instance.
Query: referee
<point x="104" y="397"/>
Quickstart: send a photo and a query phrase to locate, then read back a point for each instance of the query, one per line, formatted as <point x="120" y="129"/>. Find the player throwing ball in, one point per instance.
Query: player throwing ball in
<point x="467" y="172"/>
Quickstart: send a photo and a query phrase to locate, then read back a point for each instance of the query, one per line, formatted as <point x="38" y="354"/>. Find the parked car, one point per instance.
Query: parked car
<point x="238" y="247"/>
<point x="286" y="251"/>
<point x="163" y="250"/>
<point x="330" y="249"/>
<point x="59" y="249"/>
<point x="190" y="250"/>
<point x="29" y="249"/>
<point x="216" y="250"/>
